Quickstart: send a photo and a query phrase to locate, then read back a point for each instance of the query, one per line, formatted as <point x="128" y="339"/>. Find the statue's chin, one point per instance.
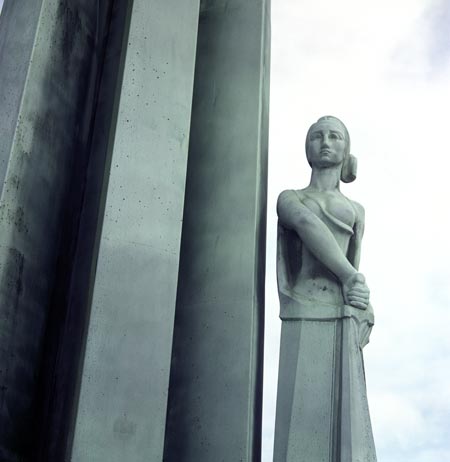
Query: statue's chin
<point x="326" y="164"/>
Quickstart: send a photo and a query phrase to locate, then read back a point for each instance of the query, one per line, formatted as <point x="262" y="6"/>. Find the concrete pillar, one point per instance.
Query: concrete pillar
<point x="216" y="379"/>
<point x="17" y="34"/>
<point x="69" y="313"/>
<point x="124" y="384"/>
<point x="47" y="51"/>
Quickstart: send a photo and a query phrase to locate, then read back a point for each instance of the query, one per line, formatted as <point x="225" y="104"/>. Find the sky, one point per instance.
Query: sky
<point x="383" y="68"/>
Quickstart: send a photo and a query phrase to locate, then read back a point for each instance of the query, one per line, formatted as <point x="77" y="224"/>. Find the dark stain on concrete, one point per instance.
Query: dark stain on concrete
<point x="42" y="191"/>
<point x="12" y="391"/>
<point x="124" y="428"/>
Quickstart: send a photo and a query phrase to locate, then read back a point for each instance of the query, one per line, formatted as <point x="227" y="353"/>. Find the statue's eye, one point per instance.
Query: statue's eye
<point x="336" y="136"/>
<point x="315" y="136"/>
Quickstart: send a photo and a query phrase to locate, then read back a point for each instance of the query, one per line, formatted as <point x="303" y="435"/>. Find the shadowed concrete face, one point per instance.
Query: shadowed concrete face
<point x="68" y="316"/>
<point x="215" y="390"/>
<point x="47" y="52"/>
<point x="93" y="156"/>
<point x="123" y="395"/>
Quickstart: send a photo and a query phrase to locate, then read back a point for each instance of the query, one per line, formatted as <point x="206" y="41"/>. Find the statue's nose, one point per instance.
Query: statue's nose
<point x="325" y="141"/>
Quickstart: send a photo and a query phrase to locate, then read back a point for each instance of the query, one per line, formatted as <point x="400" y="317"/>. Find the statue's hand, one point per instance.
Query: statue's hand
<point x="355" y="291"/>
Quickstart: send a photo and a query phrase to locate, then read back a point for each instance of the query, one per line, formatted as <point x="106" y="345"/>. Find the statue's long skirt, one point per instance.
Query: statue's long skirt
<point x="322" y="409"/>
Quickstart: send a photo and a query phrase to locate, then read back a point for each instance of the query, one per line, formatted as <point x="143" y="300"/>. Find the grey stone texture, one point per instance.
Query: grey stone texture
<point x="47" y="50"/>
<point x="68" y="318"/>
<point x="216" y="379"/>
<point x="96" y="118"/>
<point x="322" y="410"/>
<point x="122" y="404"/>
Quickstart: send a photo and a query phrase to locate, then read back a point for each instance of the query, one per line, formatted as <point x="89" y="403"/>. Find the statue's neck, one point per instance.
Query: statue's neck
<point x="325" y="179"/>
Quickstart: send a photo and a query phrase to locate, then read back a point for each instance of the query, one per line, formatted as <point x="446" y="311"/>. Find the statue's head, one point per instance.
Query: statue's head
<point x="328" y="144"/>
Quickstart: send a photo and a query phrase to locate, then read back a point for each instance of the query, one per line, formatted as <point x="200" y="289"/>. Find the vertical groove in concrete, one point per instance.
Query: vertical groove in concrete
<point x="260" y="225"/>
<point x="47" y="50"/>
<point x="214" y="410"/>
<point x="123" y="392"/>
<point x="65" y="335"/>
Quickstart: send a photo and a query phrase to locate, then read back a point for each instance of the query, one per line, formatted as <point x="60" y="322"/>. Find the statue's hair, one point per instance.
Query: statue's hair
<point x="349" y="166"/>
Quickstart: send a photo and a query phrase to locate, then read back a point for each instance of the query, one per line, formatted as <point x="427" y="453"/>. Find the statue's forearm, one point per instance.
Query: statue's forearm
<point x="319" y="240"/>
<point x="314" y="234"/>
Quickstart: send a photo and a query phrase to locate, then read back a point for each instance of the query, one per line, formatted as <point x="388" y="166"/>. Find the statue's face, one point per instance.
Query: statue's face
<point x="326" y="144"/>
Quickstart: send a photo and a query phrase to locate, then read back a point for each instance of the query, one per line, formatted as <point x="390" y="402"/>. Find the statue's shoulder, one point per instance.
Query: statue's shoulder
<point x="291" y="194"/>
<point x="285" y="197"/>
<point x="289" y="199"/>
<point x="288" y="202"/>
<point x="286" y="194"/>
<point x="359" y="209"/>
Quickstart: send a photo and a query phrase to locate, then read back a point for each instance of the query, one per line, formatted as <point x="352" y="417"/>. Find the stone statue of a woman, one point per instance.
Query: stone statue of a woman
<point x="322" y="411"/>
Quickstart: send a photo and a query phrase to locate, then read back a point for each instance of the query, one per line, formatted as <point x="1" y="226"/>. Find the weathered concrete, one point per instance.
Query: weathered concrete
<point x="123" y="395"/>
<point x="18" y="23"/>
<point x="47" y="50"/>
<point x="66" y="331"/>
<point x="216" y="379"/>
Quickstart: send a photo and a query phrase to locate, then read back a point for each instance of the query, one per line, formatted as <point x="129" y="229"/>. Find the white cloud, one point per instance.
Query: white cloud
<point x="384" y="68"/>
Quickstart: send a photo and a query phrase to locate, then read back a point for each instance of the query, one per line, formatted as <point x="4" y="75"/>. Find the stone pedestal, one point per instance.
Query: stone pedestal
<point x="322" y="411"/>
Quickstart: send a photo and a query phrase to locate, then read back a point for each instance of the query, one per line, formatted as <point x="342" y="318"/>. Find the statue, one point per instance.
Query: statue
<point x="322" y="411"/>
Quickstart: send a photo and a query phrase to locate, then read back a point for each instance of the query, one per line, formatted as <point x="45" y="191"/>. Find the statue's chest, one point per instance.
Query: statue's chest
<point x="332" y="207"/>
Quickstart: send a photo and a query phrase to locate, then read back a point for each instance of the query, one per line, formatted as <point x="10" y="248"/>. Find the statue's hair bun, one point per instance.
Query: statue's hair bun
<point x="349" y="168"/>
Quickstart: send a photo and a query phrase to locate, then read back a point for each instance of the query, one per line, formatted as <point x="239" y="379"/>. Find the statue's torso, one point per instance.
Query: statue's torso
<point x="314" y="281"/>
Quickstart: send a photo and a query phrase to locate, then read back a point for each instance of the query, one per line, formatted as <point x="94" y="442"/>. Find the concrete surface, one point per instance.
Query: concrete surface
<point x="124" y="385"/>
<point x="46" y="53"/>
<point x="216" y="379"/>
<point x="69" y="312"/>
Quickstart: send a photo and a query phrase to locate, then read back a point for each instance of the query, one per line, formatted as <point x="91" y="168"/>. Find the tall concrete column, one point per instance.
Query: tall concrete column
<point x="69" y="313"/>
<point x="124" y="385"/>
<point x="216" y="379"/>
<point x="48" y="50"/>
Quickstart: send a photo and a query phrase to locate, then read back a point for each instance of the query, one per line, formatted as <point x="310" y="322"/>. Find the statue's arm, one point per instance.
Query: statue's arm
<point x="319" y="240"/>
<point x="354" y="250"/>
<point x="314" y="234"/>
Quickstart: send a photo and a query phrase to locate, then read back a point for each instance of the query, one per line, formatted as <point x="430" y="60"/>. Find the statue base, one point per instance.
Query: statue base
<point x="322" y="409"/>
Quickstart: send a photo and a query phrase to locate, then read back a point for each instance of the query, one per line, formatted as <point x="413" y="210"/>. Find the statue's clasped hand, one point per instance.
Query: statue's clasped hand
<point x="355" y="291"/>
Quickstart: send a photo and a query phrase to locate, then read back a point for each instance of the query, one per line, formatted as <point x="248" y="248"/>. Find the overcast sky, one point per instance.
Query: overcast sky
<point x="384" y="68"/>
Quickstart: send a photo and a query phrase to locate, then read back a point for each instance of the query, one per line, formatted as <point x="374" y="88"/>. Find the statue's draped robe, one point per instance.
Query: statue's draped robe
<point x="322" y="410"/>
